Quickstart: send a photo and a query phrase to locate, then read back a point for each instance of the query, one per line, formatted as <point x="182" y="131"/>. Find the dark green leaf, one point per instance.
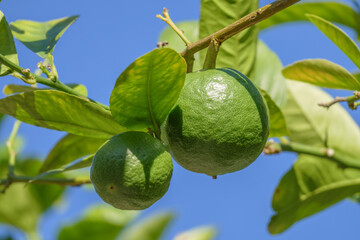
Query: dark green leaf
<point x="277" y="120"/>
<point x="14" y="88"/>
<point x="339" y="37"/>
<point x="41" y="37"/>
<point x="199" y="233"/>
<point x="313" y="125"/>
<point x="312" y="185"/>
<point x="99" y="222"/>
<point x="149" y="229"/>
<point x="61" y="111"/>
<point x="191" y="31"/>
<point x="7" y="45"/>
<point x="322" y="73"/>
<point x="68" y="149"/>
<point x="147" y="90"/>
<point x="332" y="11"/>
<point x="238" y="52"/>
<point x="267" y="73"/>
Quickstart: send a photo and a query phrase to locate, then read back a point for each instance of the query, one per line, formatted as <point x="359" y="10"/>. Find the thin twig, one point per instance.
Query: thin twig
<point x="272" y="147"/>
<point x="166" y="18"/>
<point x="48" y="180"/>
<point x="350" y="100"/>
<point x="238" y="26"/>
<point x="32" y="78"/>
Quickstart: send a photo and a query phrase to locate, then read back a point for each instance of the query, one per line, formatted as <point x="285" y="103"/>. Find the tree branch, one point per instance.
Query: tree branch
<point x="31" y="78"/>
<point x="238" y="26"/>
<point x="272" y="147"/>
<point x="350" y="100"/>
<point x="58" y="181"/>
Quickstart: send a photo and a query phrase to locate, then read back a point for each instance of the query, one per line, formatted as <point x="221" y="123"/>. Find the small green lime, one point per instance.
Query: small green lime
<point x="131" y="171"/>
<point x="220" y="123"/>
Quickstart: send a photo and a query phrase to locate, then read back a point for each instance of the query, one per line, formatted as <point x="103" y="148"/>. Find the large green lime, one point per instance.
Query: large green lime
<point x="220" y="123"/>
<point x="131" y="171"/>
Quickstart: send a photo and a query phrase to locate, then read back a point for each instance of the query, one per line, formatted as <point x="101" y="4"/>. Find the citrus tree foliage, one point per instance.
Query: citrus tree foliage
<point x="303" y="118"/>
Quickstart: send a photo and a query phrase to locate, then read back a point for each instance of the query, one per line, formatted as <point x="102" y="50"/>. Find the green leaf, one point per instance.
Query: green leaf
<point x="14" y="88"/>
<point x="147" y="90"/>
<point x="99" y="222"/>
<point x="322" y="73"/>
<point x="332" y="11"/>
<point x="7" y="45"/>
<point x="267" y="73"/>
<point x="339" y="37"/>
<point x="22" y="206"/>
<point x="199" y="233"/>
<point x="149" y="229"/>
<point x="277" y="120"/>
<point x="41" y="37"/>
<point x="313" y="125"/>
<point x="68" y="149"/>
<point x="61" y="111"/>
<point x="191" y="31"/>
<point x="238" y="52"/>
<point x="312" y="185"/>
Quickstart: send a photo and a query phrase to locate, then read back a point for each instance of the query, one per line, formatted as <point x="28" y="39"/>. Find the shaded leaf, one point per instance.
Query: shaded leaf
<point x="147" y="90"/>
<point x="22" y="207"/>
<point x="191" y="31"/>
<point x="149" y="229"/>
<point x="61" y="111"/>
<point x="7" y="45"/>
<point x="199" y="233"/>
<point x="267" y="74"/>
<point x="68" y="149"/>
<point x="332" y="11"/>
<point x="277" y="120"/>
<point x="339" y="37"/>
<point x="238" y="52"/>
<point x="14" y="88"/>
<point x="313" y="125"/>
<point x="99" y="222"/>
<point x="312" y="185"/>
<point x="41" y="37"/>
<point x="322" y="73"/>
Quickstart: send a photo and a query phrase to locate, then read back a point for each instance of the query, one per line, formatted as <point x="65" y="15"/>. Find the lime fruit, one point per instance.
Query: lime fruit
<point x="220" y="123"/>
<point x="131" y="171"/>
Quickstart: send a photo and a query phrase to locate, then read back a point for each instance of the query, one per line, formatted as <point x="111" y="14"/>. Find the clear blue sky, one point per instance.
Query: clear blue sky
<point x="106" y="38"/>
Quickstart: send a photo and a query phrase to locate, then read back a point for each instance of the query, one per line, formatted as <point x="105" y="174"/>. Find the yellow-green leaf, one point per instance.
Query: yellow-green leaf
<point x="339" y="37"/>
<point x="14" y="88"/>
<point x="322" y="73"/>
<point x="198" y="233"/>
<point x="147" y="90"/>
<point x="61" y="111"/>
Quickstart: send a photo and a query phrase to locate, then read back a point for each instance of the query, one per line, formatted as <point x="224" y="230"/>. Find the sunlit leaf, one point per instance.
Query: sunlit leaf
<point x="238" y="52"/>
<point x="339" y="37"/>
<point x="41" y="37"/>
<point x="7" y="45"/>
<point x="322" y="73"/>
<point x="277" y="120"/>
<point x="147" y="90"/>
<point x="61" y="111"/>
<point x="149" y="229"/>
<point x="99" y="222"/>
<point x="199" y="233"/>
<point x="70" y="148"/>
<point x="312" y="185"/>
<point x="191" y="31"/>
<point x="313" y="125"/>
<point x="267" y="74"/>
<point x="332" y="11"/>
